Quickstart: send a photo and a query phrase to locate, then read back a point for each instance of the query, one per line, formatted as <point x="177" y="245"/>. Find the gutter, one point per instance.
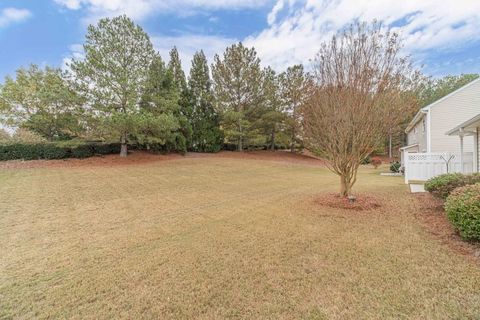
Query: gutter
<point x="416" y="119"/>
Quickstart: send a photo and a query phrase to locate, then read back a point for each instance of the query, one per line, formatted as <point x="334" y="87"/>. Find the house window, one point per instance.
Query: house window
<point x="423" y="125"/>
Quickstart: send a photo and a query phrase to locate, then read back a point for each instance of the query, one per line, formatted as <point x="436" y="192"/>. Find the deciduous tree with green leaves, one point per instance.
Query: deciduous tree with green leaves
<point x="113" y="73"/>
<point x="41" y="101"/>
<point x="237" y="84"/>
<point x="434" y="89"/>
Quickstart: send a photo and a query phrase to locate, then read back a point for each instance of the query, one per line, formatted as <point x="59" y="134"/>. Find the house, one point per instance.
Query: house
<point x="426" y="133"/>
<point x="471" y="128"/>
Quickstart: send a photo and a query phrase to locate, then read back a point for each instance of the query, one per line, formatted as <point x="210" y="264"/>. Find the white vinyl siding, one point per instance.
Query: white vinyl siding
<point x="478" y="149"/>
<point x="449" y="113"/>
<point x="418" y="135"/>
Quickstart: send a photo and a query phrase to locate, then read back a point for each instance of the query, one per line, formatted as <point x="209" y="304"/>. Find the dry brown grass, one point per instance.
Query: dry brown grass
<point x="220" y="237"/>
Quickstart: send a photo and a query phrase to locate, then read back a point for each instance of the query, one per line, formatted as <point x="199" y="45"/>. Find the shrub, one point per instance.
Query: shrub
<point x="376" y="162"/>
<point x="395" y="167"/>
<point x="366" y="160"/>
<point x="106" y="148"/>
<point x="230" y="147"/>
<point x="49" y="151"/>
<point x="442" y="185"/>
<point x="82" y="151"/>
<point x="73" y="149"/>
<point x="463" y="211"/>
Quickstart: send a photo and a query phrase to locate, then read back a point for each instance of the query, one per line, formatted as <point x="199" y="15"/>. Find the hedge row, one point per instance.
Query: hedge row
<point x="55" y="151"/>
<point x="442" y="185"/>
<point x="68" y="149"/>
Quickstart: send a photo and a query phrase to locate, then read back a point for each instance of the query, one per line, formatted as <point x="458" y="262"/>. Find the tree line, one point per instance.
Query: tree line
<point x="360" y="95"/>
<point x="122" y="90"/>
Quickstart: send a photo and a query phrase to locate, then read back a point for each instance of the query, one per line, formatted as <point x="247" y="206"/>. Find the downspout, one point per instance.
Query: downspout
<point x="428" y="129"/>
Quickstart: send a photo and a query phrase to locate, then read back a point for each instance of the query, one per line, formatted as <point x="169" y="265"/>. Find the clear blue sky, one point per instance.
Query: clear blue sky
<point x="444" y="38"/>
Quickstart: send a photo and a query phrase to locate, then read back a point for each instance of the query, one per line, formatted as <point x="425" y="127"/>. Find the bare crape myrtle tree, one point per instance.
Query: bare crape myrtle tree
<point x="363" y="85"/>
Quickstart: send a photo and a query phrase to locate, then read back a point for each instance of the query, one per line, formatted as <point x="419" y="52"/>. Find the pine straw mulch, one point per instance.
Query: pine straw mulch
<point x="433" y="218"/>
<point x="363" y="202"/>
<point x="133" y="158"/>
<point x="142" y="157"/>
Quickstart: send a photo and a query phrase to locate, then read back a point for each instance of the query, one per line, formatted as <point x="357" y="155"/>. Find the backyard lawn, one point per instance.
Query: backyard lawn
<point x="214" y="237"/>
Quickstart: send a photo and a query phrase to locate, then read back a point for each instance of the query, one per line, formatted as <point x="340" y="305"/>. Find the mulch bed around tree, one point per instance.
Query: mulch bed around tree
<point x="362" y="202"/>
<point x="432" y="216"/>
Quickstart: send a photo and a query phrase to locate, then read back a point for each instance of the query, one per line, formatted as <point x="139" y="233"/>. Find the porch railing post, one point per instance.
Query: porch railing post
<point x="462" y="166"/>
<point x="405" y="166"/>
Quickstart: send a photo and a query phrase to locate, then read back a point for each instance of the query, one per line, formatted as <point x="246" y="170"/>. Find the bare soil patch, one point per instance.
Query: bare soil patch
<point x="432" y="216"/>
<point x="362" y="202"/>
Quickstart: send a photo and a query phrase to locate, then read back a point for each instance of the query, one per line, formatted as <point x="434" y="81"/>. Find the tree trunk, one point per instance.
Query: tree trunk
<point x="240" y="138"/>
<point x="345" y="187"/>
<point x="390" y="145"/>
<point x="292" y="145"/>
<point x="123" y="148"/>
<point x="273" y="141"/>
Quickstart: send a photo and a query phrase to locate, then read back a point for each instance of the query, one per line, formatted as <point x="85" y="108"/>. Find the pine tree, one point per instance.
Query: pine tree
<point x="175" y="68"/>
<point x="237" y="84"/>
<point x="158" y="125"/>
<point x="295" y="86"/>
<point x="271" y="115"/>
<point x="112" y="76"/>
<point x="206" y="133"/>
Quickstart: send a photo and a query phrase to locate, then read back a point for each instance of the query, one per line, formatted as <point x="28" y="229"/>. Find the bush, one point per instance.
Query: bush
<point x="229" y="147"/>
<point x="71" y="149"/>
<point x="376" y="162"/>
<point x="442" y="185"/>
<point x="463" y="211"/>
<point x="82" y="151"/>
<point x="395" y="167"/>
<point x="366" y="160"/>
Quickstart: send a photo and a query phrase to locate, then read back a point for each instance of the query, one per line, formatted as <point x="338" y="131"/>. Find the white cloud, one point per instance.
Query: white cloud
<point x="76" y="52"/>
<point x="188" y="44"/>
<point x="276" y="9"/>
<point x="139" y="9"/>
<point x="12" y="15"/>
<point x="296" y="28"/>
<point x="424" y="25"/>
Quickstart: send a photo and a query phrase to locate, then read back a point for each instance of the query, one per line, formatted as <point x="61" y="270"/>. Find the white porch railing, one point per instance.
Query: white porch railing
<point x="423" y="166"/>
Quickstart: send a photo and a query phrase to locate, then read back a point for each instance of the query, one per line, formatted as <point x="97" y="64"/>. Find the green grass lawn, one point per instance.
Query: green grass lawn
<point x="215" y="238"/>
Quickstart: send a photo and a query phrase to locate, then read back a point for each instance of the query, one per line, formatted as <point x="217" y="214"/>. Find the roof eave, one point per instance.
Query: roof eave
<point x="464" y="127"/>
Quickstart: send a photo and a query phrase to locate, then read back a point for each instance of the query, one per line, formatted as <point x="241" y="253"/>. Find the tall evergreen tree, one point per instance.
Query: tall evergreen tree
<point x="175" y="68"/>
<point x="237" y="84"/>
<point x="271" y="115"/>
<point x="295" y="87"/>
<point x="118" y="54"/>
<point x="206" y="133"/>
<point x="159" y="121"/>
